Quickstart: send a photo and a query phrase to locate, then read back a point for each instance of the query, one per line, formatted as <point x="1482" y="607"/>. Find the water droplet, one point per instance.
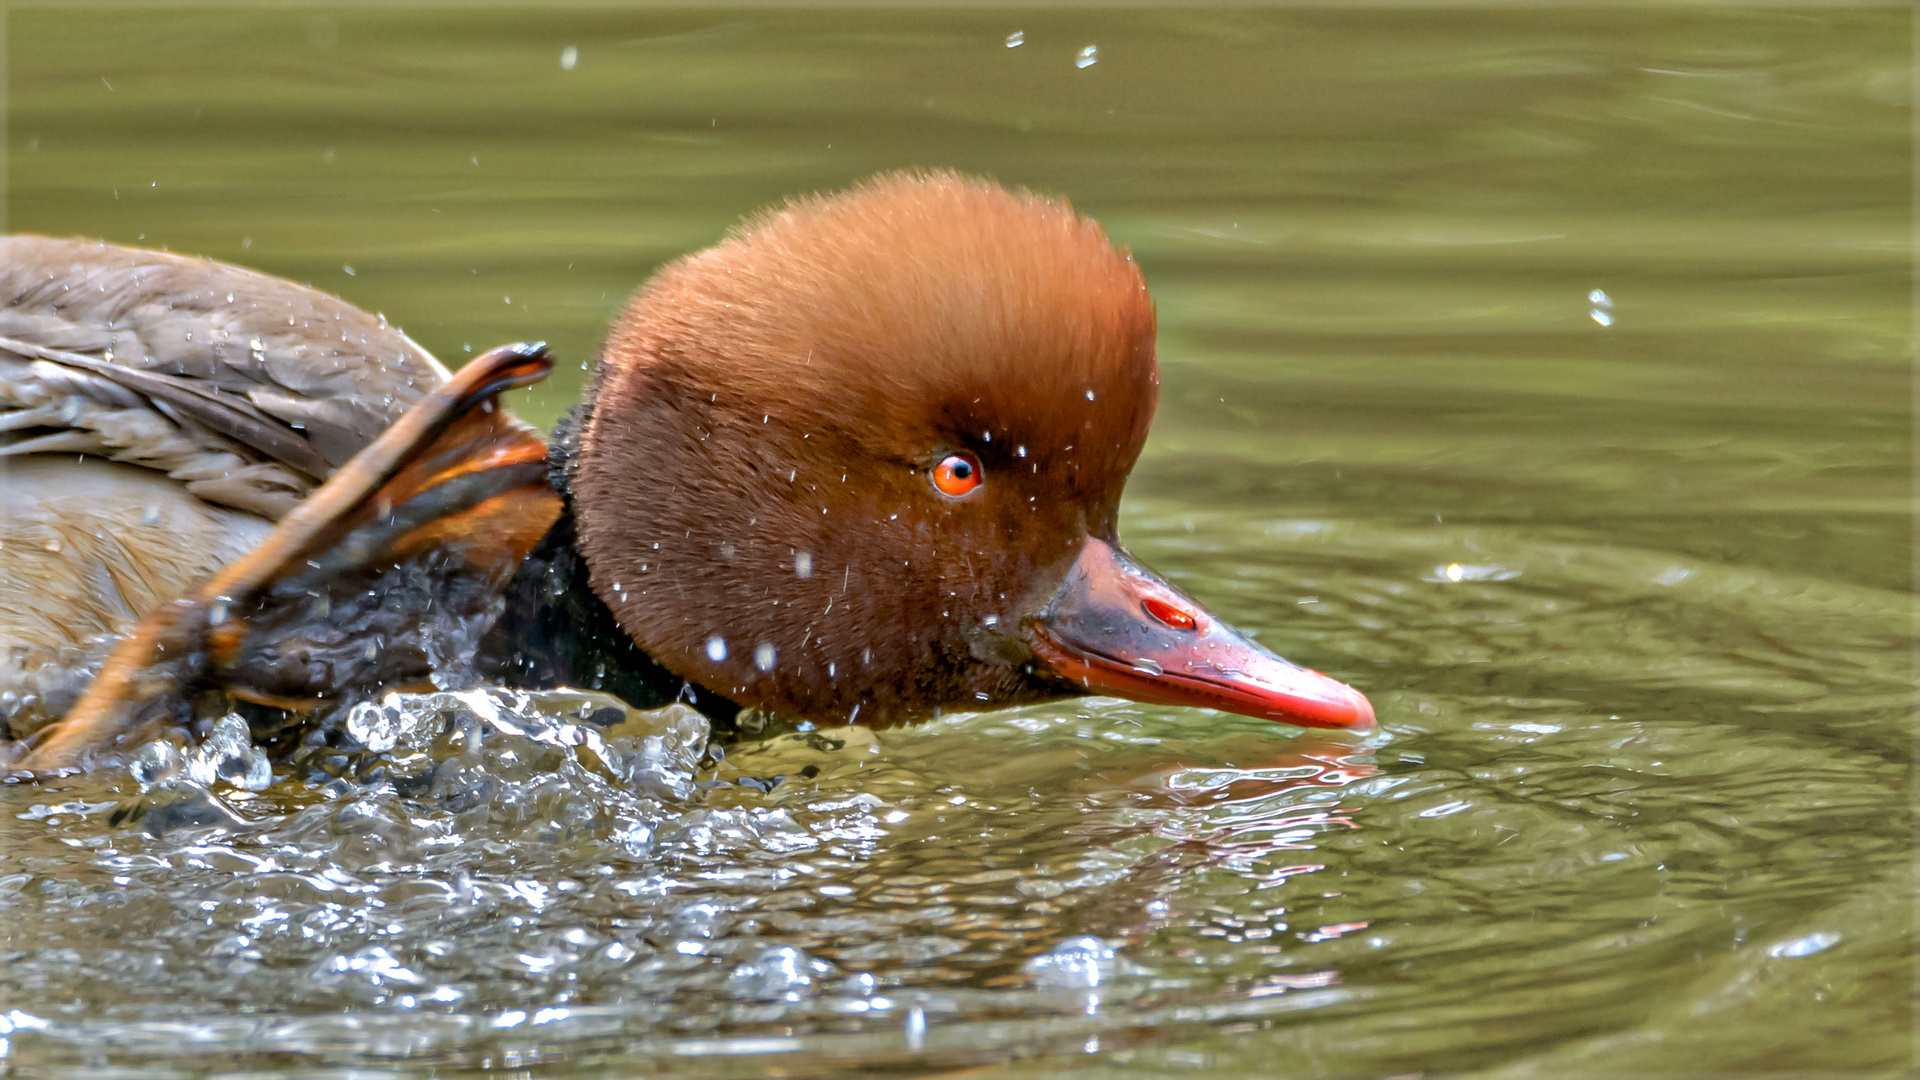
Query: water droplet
<point x="1089" y="398"/>
<point x="764" y="655"/>
<point x="803" y="564"/>
<point x="1148" y="667"/>
<point x="157" y="761"/>
<point x="150" y="516"/>
<point x="991" y="620"/>
<point x="1599" y="299"/>
<point x="377" y="727"/>
<point x="228" y="754"/>
<point x="1020" y="451"/>
<point x="1088" y="57"/>
<point x="716" y="648"/>
<point x="779" y="972"/>
<point x="1804" y="946"/>
<point x="916" y="1029"/>
<point x="1454" y="572"/>
<point x="1078" y="963"/>
<point x="1601" y="317"/>
<point x="569" y="58"/>
<point x="1016" y="39"/>
<point x="348" y="269"/>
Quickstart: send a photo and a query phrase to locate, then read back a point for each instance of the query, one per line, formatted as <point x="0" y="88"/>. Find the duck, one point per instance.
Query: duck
<point x="861" y="461"/>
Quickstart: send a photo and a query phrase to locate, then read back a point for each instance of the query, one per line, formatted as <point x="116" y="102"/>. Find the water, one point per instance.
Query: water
<point x="1545" y="374"/>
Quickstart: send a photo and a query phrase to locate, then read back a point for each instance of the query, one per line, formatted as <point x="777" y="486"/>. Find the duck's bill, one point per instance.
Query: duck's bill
<point x="1114" y="627"/>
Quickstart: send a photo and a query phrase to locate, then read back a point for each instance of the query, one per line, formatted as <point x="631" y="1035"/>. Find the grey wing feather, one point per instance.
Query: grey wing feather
<point x="248" y="388"/>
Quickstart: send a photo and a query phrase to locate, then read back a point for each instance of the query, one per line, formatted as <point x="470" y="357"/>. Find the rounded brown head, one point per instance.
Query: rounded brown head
<point x="848" y="458"/>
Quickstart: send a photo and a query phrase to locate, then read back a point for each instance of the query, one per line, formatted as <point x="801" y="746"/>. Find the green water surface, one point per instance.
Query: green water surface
<point x="1544" y="373"/>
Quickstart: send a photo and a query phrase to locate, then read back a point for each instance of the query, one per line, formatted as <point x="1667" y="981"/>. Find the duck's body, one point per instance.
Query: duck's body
<point x="861" y="461"/>
<point x="158" y="414"/>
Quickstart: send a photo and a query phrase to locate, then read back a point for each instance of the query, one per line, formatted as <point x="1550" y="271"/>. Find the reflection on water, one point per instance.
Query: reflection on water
<point x="1544" y="374"/>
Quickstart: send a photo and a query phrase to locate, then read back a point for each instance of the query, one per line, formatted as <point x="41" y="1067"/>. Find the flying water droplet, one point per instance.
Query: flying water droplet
<point x="1088" y="57"/>
<point x="1016" y="39"/>
<point x="228" y="754"/>
<point x="764" y="656"/>
<point x="569" y="58"/>
<point x="803" y="564"/>
<point x="716" y="648"/>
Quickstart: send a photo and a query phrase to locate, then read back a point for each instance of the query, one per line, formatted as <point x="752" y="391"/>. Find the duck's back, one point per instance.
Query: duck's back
<point x="157" y="413"/>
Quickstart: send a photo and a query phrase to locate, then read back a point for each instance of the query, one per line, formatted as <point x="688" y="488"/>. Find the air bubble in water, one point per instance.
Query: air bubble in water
<point x="374" y="725"/>
<point x="777" y="972"/>
<point x="1078" y="963"/>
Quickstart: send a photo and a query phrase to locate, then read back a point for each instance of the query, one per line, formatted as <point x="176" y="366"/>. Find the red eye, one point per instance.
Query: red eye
<point x="957" y="474"/>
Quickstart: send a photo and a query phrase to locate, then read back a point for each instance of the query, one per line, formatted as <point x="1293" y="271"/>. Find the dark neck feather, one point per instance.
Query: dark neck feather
<point x="555" y="631"/>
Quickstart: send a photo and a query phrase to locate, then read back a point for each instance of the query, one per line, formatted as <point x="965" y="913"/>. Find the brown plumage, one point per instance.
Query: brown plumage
<point x="885" y="327"/>
<point x="207" y="400"/>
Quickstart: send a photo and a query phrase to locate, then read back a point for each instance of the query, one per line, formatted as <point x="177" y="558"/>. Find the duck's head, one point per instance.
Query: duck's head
<point x="864" y="458"/>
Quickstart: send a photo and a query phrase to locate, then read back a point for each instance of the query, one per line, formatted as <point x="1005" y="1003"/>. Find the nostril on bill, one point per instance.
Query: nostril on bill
<point x="1168" y="614"/>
